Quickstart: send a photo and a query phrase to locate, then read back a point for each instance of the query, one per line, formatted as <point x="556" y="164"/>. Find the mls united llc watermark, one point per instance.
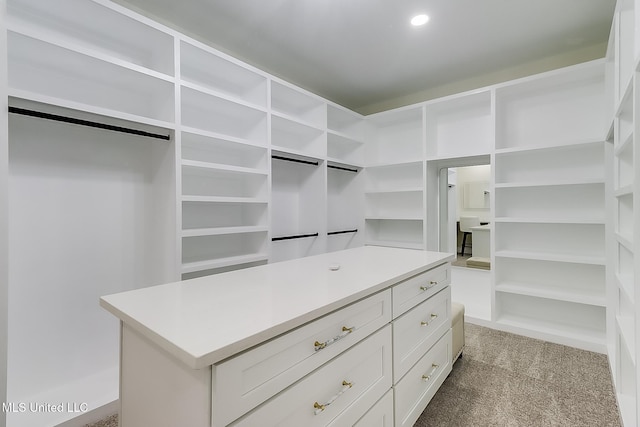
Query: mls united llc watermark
<point x="21" y="407"/>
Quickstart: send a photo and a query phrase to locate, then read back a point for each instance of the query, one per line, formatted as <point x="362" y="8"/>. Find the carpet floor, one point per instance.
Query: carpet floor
<point x="507" y="380"/>
<point x="510" y="380"/>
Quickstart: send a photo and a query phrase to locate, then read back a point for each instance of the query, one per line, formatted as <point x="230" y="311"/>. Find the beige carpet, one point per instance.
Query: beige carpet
<point x="506" y="380"/>
<point x="509" y="380"/>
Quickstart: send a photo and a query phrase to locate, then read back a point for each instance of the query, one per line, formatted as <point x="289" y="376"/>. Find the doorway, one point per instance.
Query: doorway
<point x="469" y="215"/>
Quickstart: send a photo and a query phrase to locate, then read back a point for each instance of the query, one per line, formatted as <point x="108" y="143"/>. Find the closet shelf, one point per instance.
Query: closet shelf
<point x="627" y="328"/>
<point x="221" y="95"/>
<point x="397" y="190"/>
<point x="624" y="103"/>
<point x="538" y="220"/>
<point x="566" y="182"/>
<point x="215" y="231"/>
<point x="25" y="95"/>
<point x="77" y="48"/>
<point x="624" y="191"/>
<point x="346" y="137"/>
<point x="547" y="256"/>
<point x="626" y="143"/>
<point x="550" y="147"/>
<point x="394" y="217"/>
<point x="625" y="284"/>
<point x="407" y="162"/>
<point x="595" y="338"/>
<point x="223" y="199"/>
<point x="192" y="267"/>
<point x="295" y="121"/>
<point x="217" y="166"/>
<point x="624" y="241"/>
<point x="576" y="295"/>
<point x="215" y="135"/>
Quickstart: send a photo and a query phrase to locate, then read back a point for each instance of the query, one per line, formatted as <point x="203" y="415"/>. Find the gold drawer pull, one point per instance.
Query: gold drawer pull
<point x="318" y="408"/>
<point x="345" y="331"/>
<point x="428" y="376"/>
<point x="432" y="283"/>
<point x="427" y="323"/>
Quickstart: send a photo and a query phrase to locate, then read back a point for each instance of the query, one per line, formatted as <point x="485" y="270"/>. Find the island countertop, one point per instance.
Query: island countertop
<point x="205" y="320"/>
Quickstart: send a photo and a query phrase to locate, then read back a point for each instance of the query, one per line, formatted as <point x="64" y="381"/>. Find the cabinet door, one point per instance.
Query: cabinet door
<point x="350" y="384"/>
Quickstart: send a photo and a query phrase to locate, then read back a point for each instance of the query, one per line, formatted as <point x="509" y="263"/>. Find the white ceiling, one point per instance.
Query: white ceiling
<point x="362" y="52"/>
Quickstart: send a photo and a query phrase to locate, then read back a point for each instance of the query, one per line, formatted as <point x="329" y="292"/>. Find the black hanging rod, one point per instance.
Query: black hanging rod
<point x="306" y="162"/>
<point x="342" y="168"/>
<point x="330" y="233"/>
<point x="58" y="118"/>
<point x="297" y="236"/>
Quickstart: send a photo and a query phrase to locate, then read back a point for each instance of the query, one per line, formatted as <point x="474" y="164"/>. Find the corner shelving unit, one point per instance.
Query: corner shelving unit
<point x="549" y="208"/>
<point x="395" y="178"/>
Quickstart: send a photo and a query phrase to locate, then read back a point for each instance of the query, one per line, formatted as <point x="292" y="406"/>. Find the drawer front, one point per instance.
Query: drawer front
<point x="416" y="289"/>
<point x="381" y="415"/>
<point x="416" y="331"/>
<point x="351" y="384"/>
<point x="245" y="381"/>
<point x="415" y="390"/>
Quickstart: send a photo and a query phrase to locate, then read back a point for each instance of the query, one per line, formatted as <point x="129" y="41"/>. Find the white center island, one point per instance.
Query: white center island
<point x="355" y="337"/>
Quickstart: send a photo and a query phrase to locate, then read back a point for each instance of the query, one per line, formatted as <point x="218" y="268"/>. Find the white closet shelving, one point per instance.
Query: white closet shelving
<point x="345" y="180"/>
<point x="549" y="229"/>
<point x="622" y="199"/>
<point x="225" y="169"/>
<point x="460" y="126"/>
<point x="59" y="58"/>
<point x="298" y="173"/>
<point x="109" y="197"/>
<point x="395" y="178"/>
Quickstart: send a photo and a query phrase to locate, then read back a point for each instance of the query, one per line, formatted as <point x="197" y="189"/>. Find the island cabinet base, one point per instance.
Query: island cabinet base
<point x="157" y="389"/>
<point x="363" y="362"/>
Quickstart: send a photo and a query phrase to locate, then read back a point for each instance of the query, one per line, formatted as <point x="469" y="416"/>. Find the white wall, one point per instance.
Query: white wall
<point x="472" y="174"/>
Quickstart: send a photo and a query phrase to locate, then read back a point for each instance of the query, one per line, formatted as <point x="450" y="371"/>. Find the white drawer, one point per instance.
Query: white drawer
<point x="415" y="390"/>
<point x="417" y="330"/>
<point x="350" y="384"/>
<point x="418" y="288"/>
<point x="381" y="415"/>
<point x="245" y="381"/>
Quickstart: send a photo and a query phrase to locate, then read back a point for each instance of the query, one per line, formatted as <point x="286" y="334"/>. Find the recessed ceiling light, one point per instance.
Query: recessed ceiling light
<point x="419" y="20"/>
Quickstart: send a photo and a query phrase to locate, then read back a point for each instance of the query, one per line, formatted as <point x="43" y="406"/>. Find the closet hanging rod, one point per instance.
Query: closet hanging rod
<point x="343" y="168"/>
<point x="296" y="236"/>
<point x="306" y="162"/>
<point x="331" y="233"/>
<point x="58" y="118"/>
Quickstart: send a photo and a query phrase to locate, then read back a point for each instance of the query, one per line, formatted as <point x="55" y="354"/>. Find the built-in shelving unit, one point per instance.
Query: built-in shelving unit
<point x="395" y="178"/>
<point x="109" y="196"/>
<point x="225" y="165"/>
<point x="460" y="126"/>
<point x="623" y="214"/>
<point x="345" y="178"/>
<point x="549" y="231"/>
